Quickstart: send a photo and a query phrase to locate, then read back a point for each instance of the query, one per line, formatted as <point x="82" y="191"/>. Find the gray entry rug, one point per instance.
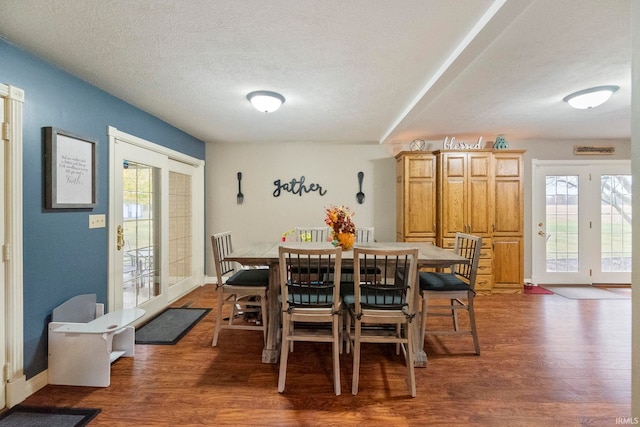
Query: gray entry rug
<point x="170" y="326"/>
<point x="585" y="292"/>
<point x="46" y="416"/>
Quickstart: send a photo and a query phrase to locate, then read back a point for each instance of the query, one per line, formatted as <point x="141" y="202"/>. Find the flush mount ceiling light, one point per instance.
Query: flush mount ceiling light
<point x="266" y="101"/>
<point x="589" y="98"/>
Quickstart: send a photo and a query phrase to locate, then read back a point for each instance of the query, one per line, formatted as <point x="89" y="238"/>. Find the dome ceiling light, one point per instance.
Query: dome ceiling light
<point x="589" y="98"/>
<point x="266" y="101"/>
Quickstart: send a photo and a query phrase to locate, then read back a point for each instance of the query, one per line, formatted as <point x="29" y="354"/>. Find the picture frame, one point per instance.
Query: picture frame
<point x="70" y="170"/>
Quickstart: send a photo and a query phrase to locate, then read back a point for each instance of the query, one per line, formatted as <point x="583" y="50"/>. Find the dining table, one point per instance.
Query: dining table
<point x="267" y="254"/>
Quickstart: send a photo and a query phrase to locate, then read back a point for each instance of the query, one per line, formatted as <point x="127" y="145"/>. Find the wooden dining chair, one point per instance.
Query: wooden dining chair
<point x="243" y="290"/>
<point x="381" y="309"/>
<point x="311" y="234"/>
<point x="365" y="234"/>
<point x="310" y="295"/>
<point x="456" y="286"/>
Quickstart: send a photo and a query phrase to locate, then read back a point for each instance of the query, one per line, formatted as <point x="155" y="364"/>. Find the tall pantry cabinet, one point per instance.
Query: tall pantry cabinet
<point x="416" y="197"/>
<point x="508" y="229"/>
<point x="477" y="192"/>
<point x="465" y="204"/>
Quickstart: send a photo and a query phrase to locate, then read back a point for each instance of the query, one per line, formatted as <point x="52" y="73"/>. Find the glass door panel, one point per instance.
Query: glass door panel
<point x="562" y="238"/>
<point x="140" y="231"/>
<point x="180" y="238"/>
<point x="615" y="230"/>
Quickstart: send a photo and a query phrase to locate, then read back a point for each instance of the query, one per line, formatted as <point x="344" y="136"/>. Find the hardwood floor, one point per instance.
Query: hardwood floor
<point x="546" y="361"/>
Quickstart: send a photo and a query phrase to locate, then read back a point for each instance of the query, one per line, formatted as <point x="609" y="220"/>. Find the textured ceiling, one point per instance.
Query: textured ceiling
<point x="359" y="71"/>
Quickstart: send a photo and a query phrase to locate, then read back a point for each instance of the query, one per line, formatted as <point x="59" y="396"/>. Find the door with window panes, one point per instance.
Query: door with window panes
<point x="582" y="223"/>
<point x="157" y="256"/>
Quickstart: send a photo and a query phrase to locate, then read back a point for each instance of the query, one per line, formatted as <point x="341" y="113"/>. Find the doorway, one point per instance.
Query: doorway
<point x="581" y="222"/>
<point x="155" y="254"/>
<point x="3" y="346"/>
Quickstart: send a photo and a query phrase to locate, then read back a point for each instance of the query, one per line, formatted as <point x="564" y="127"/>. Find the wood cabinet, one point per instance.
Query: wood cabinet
<point x="465" y="194"/>
<point x="508" y="231"/>
<point x="416" y="197"/>
<point x="478" y="192"/>
<point x="465" y="204"/>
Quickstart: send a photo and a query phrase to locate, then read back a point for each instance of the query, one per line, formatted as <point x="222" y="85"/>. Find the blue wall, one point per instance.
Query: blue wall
<point x="62" y="256"/>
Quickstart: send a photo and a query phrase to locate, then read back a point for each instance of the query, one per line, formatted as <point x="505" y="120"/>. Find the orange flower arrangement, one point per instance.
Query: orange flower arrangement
<point x="343" y="230"/>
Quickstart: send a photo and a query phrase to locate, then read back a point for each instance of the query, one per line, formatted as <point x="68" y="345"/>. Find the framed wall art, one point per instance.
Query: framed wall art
<point x="70" y="170"/>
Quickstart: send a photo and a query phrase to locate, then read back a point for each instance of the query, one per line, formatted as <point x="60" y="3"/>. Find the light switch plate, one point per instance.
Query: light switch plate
<point x="97" y="221"/>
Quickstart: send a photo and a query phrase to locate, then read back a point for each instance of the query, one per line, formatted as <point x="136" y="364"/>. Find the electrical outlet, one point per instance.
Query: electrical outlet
<point x="97" y="221"/>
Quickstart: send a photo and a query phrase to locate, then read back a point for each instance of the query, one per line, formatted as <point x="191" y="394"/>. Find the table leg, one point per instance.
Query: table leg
<point x="271" y="351"/>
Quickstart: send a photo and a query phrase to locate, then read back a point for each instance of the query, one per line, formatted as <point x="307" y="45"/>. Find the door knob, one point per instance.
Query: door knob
<point x="541" y="233"/>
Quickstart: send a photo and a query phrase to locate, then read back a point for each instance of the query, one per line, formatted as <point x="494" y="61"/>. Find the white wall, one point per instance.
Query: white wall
<point x="263" y="217"/>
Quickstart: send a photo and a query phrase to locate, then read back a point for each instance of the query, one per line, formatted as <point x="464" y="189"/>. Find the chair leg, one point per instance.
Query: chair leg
<point x="347" y="330"/>
<point x="410" y="362"/>
<point x="284" y="353"/>
<point x="291" y="327"/>
<point x="472" y="321"/>
<point x="454" y="314"/>
<point x="216" y="331"/>
<point x="337" y="349"/>
<point x="341" y="333"/>
<point x="356" y="359"/>
<point x="265" y="317"/>
<point x="423" y="318"/>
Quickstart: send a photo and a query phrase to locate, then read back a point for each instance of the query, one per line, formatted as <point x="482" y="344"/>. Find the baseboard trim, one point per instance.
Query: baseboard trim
<point x="20" y="389"/>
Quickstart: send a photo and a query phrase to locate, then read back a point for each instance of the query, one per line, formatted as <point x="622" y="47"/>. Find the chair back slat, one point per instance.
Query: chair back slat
<point x="365" y="234"/>
<point x="468" y="246"/>
<point x="222" y="246"/>
<point x="311" y="234"/>
<point x="307" y="277"/>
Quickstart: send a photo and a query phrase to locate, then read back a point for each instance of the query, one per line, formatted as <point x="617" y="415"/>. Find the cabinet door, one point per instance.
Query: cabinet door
<point x="467" y="200"/>
<point x="509" y="204"/>
<point x="508" y="275"/>
<point x="416" y="192"/>
<point x="400" y="199"/>
<point x="480" y="195"/>
<point x="420" y="218"/>
<point x="453" y="200"/>
<point x="420" y="196"/>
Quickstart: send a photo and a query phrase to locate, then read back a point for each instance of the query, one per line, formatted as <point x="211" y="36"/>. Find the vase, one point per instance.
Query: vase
<point x="344" y="240"/>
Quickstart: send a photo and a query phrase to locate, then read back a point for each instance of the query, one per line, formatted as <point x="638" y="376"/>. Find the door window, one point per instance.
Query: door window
<point x="140" y="281"/>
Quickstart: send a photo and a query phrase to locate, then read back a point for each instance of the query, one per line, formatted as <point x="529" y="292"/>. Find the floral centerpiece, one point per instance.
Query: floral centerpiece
<point x="343" y="231"/>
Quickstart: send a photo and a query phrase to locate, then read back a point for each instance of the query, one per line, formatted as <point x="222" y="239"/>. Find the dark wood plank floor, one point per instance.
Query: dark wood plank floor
<point x="546" y="361"/>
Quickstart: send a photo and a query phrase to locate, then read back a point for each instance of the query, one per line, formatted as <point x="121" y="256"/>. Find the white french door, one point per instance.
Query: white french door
<point x="156" y="244"/>
<point x="138" y="183"/>
<point x="581" y="222"/>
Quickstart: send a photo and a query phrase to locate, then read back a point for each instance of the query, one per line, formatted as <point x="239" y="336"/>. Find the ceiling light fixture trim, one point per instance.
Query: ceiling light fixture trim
<point x="592" y="97"/>
<point x="265" y="101"/>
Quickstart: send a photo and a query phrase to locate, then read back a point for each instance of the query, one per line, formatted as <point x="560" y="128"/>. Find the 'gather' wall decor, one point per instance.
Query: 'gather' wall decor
<point x="296" y="186"/>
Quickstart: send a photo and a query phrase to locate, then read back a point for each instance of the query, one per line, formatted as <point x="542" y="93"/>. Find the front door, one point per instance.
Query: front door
<point x="582" y="222"/>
